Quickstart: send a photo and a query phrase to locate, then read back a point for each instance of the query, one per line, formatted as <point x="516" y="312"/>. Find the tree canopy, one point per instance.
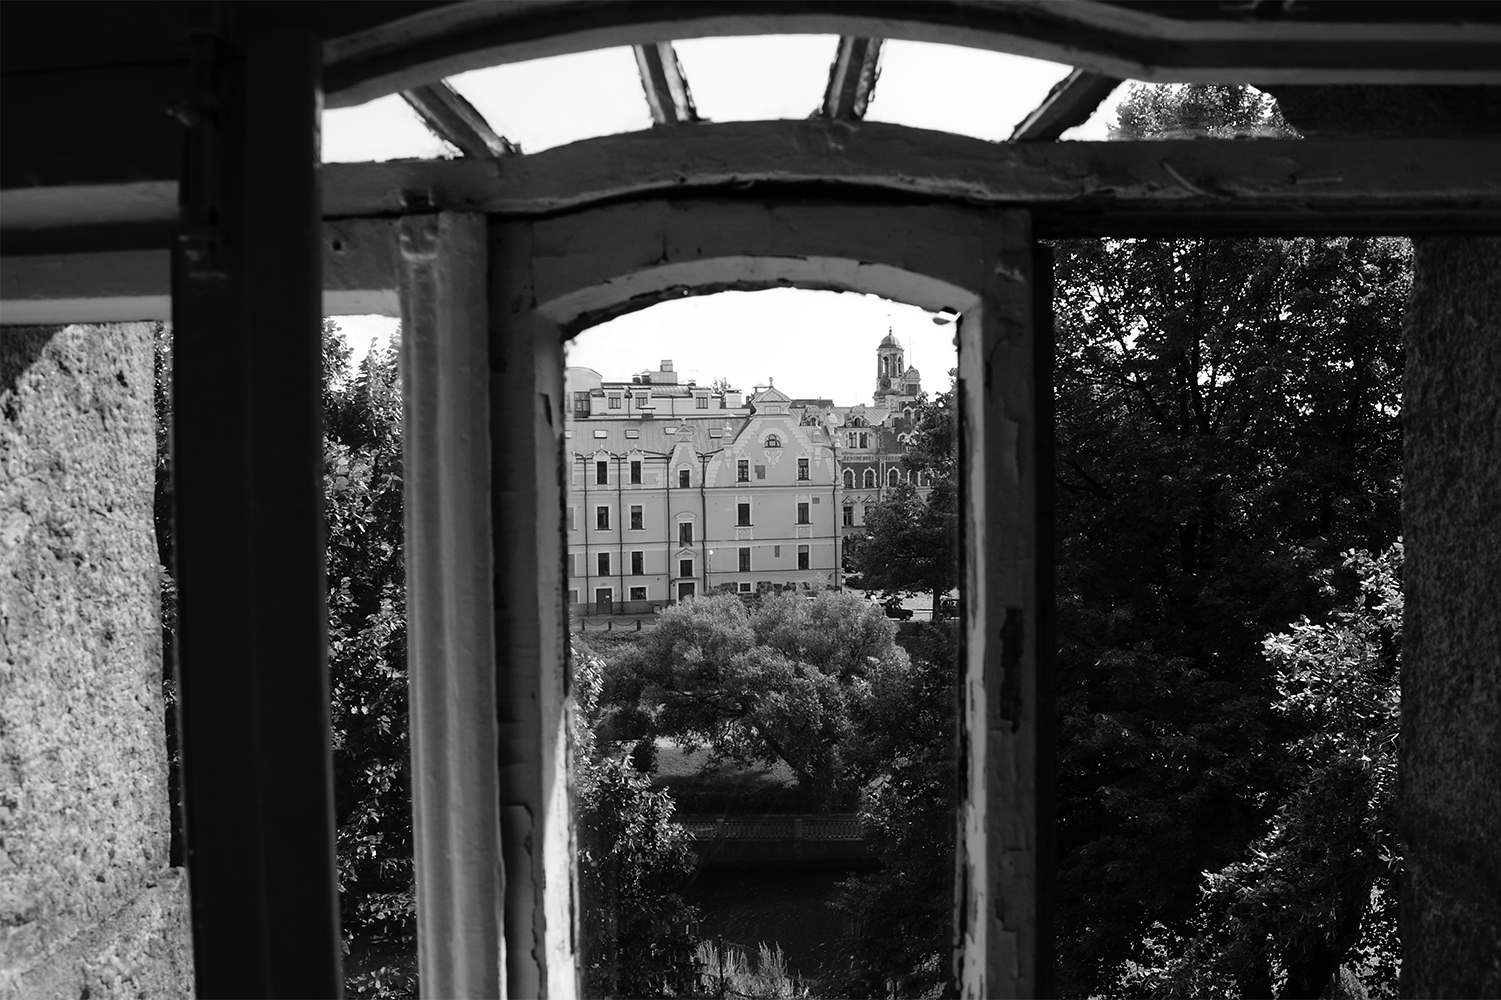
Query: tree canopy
<point x="1226" y="426"/>
<point x="909" y="543"/>
<point x="786" y="681"/>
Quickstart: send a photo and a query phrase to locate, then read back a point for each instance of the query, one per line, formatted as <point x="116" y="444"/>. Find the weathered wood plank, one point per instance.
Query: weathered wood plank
<point x="1100" y="37"/>
<point x="450" y="599"/>
<point x="668" y="96"/>
<point x="852" y="78"/>
<point x="1260" y="185"/>
<point x="450" y="117"/>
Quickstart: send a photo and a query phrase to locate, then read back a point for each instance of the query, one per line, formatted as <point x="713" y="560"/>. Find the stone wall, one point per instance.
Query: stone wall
<point x="1449" y="774"/>
<point x="88" y="904"/>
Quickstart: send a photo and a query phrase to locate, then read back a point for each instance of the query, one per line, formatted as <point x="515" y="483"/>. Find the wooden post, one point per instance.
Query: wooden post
<point x="526" y="503"/>
<point x="247" y="443"/>
<point x="450" y="631"/>
<point x="1003" y="718"/>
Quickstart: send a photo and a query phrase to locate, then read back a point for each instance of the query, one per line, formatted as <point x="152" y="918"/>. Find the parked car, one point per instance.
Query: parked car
<point x="948" y="607"/>
<point x="895" y="610"/>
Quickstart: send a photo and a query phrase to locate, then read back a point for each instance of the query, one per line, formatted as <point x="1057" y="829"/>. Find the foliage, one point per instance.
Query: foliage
<point x="633" y="862"/>
<point x="909" y="537"/>
<point x="1227" y="424"/>
<point x="729" y="972"/>
<point x="367" y="667"/>
<point x="786" y="681"/>
<point x="1191" y="110"/>
<point x="902" y="915"/>
<point x="1318" y="888"/>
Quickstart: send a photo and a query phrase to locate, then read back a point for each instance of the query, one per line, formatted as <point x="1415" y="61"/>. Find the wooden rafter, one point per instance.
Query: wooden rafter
<point x="667" y="93"/>
<point x="852" y="78"/>
<point x="1205" y="186"/>
<point x="1103" y="37"/>
<point x="450" y="117"/>
<point x="1069" y="103"/>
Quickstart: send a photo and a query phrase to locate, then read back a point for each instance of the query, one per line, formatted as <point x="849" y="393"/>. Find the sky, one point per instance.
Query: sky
<point x="811" y="343"/>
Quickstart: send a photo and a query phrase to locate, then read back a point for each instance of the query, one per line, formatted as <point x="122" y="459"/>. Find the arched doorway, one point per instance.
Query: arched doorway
<point x="550" y="278"/>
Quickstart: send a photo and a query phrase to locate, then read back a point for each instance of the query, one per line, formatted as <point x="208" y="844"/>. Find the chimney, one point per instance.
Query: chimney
<point x="664" y="375"/>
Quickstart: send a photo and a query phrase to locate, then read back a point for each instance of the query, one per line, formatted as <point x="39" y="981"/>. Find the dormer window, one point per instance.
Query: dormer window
<point x="773" y="441"/>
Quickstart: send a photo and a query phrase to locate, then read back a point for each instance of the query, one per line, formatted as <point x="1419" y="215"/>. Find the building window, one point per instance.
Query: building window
<point x="602" y="473"/>
<point x="849" y="439"/>
<point x="742" y="515"/>
<point x="573" y="597"/>
<point x="640" y="400"/>
<point x="745" y="560"/>
<point x="683" y="479"/>
<point x="742" y="471"/>
<point x="636" y="517"/>
<point x="576" y="564"/>
<point x="638" y="593"/>
<point x="922" y="479"/>
<point x="802" y="514"/>
<point x="802" y="557"/>
<point x="776" y="550"/>
<point x="849" y="479"/>
<point x="701" y="402"/>
<point x="604" y="564"/>
<point x="614" y="402"/>
<point x="685" y="532"/>
<point x="802" y="468"/>
<point x="864" y="440"/>
<point x="893" y="477"/>
<point x="743" y="586"/>
<point x="638" y="563"/>
<point x="581" y="403"/>
<point x="773" y="441"/>
<point x="572" y="518"/>
<point x="635" y="473"/>
<point x="602" y="518"/>
<point x="849" y="515"/>
<point x="760" y="472"/>
<point x="870" y="479"/>
<point x="685" y="567"/>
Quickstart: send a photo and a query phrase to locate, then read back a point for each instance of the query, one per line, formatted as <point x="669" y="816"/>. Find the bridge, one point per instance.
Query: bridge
<point x="814" y="837"/>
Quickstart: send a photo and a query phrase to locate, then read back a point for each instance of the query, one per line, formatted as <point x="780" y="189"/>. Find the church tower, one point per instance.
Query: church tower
<point x="889" y="371"/>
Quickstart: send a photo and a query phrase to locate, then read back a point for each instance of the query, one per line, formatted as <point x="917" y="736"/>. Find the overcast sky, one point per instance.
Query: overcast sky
<point x="810" y="343"/>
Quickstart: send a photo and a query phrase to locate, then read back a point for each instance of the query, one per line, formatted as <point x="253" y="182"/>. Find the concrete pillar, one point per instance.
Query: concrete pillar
<point x="1449" y="772"/>
<point x="88" y="904"/>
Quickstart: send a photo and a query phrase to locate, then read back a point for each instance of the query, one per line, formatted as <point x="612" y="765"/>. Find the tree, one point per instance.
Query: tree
<point x="1319" y="888"/>
<point x="901" y="917"/>
<point x="786" y="681"/>
<point x="1227" y="425"/>
<point x="909" y="542"/>
<point x="633" y="863"/>
<point x="367" y="667"/>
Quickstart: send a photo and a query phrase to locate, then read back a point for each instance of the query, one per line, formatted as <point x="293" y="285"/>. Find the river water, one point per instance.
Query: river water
<point x="784" y="906"/>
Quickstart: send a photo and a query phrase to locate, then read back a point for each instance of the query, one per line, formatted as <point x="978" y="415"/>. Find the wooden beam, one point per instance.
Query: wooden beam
<point x="247" y="447"/>
<point x="1203" y="187"/>
<point x="450" y="600"/>
<point x="1102" y="37"/>
<point x="1071" y="101"/>
<point x="360" y="276"/>
<point x="667" y="93"/>
<point x="1074" y="188"/>
<point x="450" y="117"/>
<point x="852" y="78"/>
